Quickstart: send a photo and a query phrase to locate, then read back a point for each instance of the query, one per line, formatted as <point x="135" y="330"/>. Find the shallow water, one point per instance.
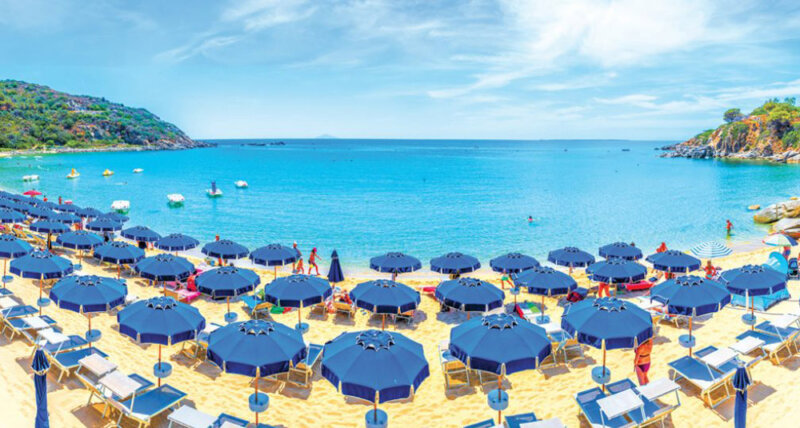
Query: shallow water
<point x="365" y="197"/>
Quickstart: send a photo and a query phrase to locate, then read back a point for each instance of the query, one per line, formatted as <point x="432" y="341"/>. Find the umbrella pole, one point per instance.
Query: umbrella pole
<point x="119" y="270"/>
<point x="159" y="362"/>
<point x="228" y="299"/>
<point x="383" y="322"/>
<point x="276" y="271"/>
<point x="41" y="288"/>
<point x="5" y="265"/>
<point x="299" y="319"/>
<point x="604" y="364"/>
<point x="375" y="408"/>
<point x="90" y="328"/>
<point x="541" y="308"/>
<point x="752" y="311"/>
<point x="499" y="396"/>
<point x="690" y="335"/>
<point x="256" y="386"/>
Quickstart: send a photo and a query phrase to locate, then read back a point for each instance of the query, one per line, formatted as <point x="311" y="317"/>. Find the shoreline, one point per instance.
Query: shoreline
<point x="9" y="154"/>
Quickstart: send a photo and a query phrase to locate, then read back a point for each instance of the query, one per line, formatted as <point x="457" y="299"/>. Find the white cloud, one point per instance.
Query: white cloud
<point x="260" y="14"/>
<point x="201" y="46"/>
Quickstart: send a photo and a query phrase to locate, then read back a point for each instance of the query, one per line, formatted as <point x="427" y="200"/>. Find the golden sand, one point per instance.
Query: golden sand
<point x="548" y="395"/>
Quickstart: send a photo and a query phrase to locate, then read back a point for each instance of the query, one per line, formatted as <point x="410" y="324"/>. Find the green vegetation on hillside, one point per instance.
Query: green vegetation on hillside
<point x="36" y="117"/>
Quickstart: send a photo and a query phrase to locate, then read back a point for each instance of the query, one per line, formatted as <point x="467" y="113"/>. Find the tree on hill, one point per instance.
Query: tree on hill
<point x="732" y="115"/>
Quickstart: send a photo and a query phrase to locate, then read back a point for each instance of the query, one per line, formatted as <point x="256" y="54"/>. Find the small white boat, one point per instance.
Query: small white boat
<point x="73" y="174"/>
<point x="108" y="173"/>
<point x="241" y="184"/>
<point x="138" y="171"/>
<point x="121" y="207"/>
<point x="214" y="192"/>
<point x="175" y="199"/>
<point x="32" y="177"/>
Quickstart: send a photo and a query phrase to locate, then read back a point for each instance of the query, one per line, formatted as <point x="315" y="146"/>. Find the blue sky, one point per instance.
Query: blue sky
<point x="647" y="69"/>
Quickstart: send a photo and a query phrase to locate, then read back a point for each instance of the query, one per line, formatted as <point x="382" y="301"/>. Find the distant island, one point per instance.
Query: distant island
<point x="770" y="132"/>
<point x="37" y="118"/>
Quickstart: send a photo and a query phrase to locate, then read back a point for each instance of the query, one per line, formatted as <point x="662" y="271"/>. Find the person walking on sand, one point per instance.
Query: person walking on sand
<point x="312" y="261"/>
<point x="601" y="287"/>
<point x="641" y="361"/>
<point x="298" y="259"/>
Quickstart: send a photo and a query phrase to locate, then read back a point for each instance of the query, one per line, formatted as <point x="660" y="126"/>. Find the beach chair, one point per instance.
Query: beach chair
<point x="118" y="386"/>
<point x="305" y="368"/>
<point x="455" y="372"/>
<point x="714" y="385"/>
<point x="68" y="361"/>
<point x="775" y="349"/>
<point x="782" y="327"/>
<point x="654" y="411"/>
<point x="18" y="311"/>
<point x="53" y="342"/>
<point x="200" y="343"/>
<point x="320" y="308"/>
<point x="408" y="317"/>
<point x="27" y="326"/>
<point x="143" y="408"/>
<point x="590" y="410"/>
<point x="489" y="423"/>
<point x="229" y="421"/>
<point x="5" y="292"/>
<point x="190" y="417"/>
<point x="256" y="306"/>
<point x="730" y="365"/>
<point x="90" y="369"/>
<point x="344" y="308"/>
<point x="514" y="421"/>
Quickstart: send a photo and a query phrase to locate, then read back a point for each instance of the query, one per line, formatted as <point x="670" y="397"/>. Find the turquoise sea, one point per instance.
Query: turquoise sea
<point x="424" y="197"/>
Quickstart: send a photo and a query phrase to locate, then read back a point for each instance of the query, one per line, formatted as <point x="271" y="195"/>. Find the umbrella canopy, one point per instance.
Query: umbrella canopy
<point x="455" y="263"/>
<point x="7" y="215"/>
<point x="40" y="212"/>
<point x="41" y="265"/>
<point x="608" y="322"/>
<point x="88" y="293"/>
<point x="570" y="256"/>
<point x="297" y="291"/>
<point x="40" y="366"/>
<point x="273" y="255"/>
<point x="89" y="212"/>
<point x="47" y="226"/>
<point x="225" y="249"/>
<point x="710" y="250"/>
<point x="753" y="280"/>
<point x="118" y="253"/>
<point x="66" y="218"/>
<point x="385" y="297"/>
<point x="470" y="294"/>
<point x="691" y="295"/>
<point x="545" y="281"/>
<point x="103" y="224"/>
<point x="67" y="208"/>
<point x="374" y="365"/>
<point x="12" y="247"/>
<point x="140" y="233"/>
<point x="779" y="240"/>
<point x="227" y="281"/>
<point x="256" y="348"/>
<point x="674" y="261"/>
<point x="741" y="381"/>
<point x="114" y="216"/>
<point x="501" y="344"/>
<point x="32" y="193"/>
<point x="176" y="242"/>
<point x="620" y="250"/>
<point x="616" y="271"/>
<point x="513" y="263"/>
<point x="79" y="240"/>
<point x="335" y="273"/>
<point x="161" y="320"/>
<point x="395" y="262"/>
<point x="164" y="267"/>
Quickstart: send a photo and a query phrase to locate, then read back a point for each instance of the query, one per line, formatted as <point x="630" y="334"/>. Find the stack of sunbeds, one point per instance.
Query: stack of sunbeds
<point x="624" y="404"/>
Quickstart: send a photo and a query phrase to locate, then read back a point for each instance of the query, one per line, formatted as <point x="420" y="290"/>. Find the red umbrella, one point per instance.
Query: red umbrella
<point x="32" y="193"/>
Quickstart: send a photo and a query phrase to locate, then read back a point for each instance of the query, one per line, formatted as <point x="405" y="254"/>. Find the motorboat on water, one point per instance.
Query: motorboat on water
<point x="121" y="207"/>
<point x="175" y="199"/>
<point x="241" y="184"/>
<point x="214" y="191"/>
<point x="32" y="177"/>
<point x="138" y="170"/>
<point x="73" y="174"/>
<point x="108" y="173"/>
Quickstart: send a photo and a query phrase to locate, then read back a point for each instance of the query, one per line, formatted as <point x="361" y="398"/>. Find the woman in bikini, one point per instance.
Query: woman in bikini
<point x="642" y="361"/>
<point x="312" y="261"/>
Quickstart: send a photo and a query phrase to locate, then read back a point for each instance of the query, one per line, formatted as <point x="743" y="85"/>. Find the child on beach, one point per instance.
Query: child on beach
<point x="312" y="261"/>
<point x="641" y="361"/>
<point x="299" y="266"/>
<point x="711" y="271"/>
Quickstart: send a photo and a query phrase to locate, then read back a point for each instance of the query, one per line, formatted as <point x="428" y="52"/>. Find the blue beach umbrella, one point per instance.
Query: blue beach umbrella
<point x="570" y="256"/>
<point x="741" y="381"/>
<point x="79" y="240"/>
<point x="103" y="224"/>
<point x="48" y="227"/>
<point x="395" y="262"/>
<point x="225" y="249"/>
<point x="376" y="366"/>
<point x="455" y="263"/>
<point x="750" y="281"/>
<point x="513" y="263"/>
<point x="114" y="216"/>
<point x="12" y="247"/>
<point x="710" y="250"/>
<point x="256" y="348"/>
<point x="692" y="296"/>
<point x="118" y="253"/>
<point x="335" y="273"/>
<point x="176" y="242"/>
<point x="545" y="281"/>
<point x="140" y="234"/>
<point x="89" y="212"/>
<point x="7" y="215"/>
<point x="66" y="218"/>
<point x="500" y="344"/>
<point x="273" y="255"/>
<point x="616" y="271"/>
<point x="41" y="265"/>
<point x="227" y="282"/>
<point x="385" y="297"/>
<point x="469" y="294"/>
<point x="164" y="267"/>
<point x="40" y="212"/>
<point x="40" y="366"/>
<point x="87" y="294"/>
<point x="67" y="208"/>
<point x="620" y="250"/>
<point x="607" y="323"/>
<point x="674" y="261"/>
<point x="297" y="291"/>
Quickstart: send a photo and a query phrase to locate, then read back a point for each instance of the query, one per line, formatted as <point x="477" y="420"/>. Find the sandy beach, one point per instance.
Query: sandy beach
<point x="548" y="393"/>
